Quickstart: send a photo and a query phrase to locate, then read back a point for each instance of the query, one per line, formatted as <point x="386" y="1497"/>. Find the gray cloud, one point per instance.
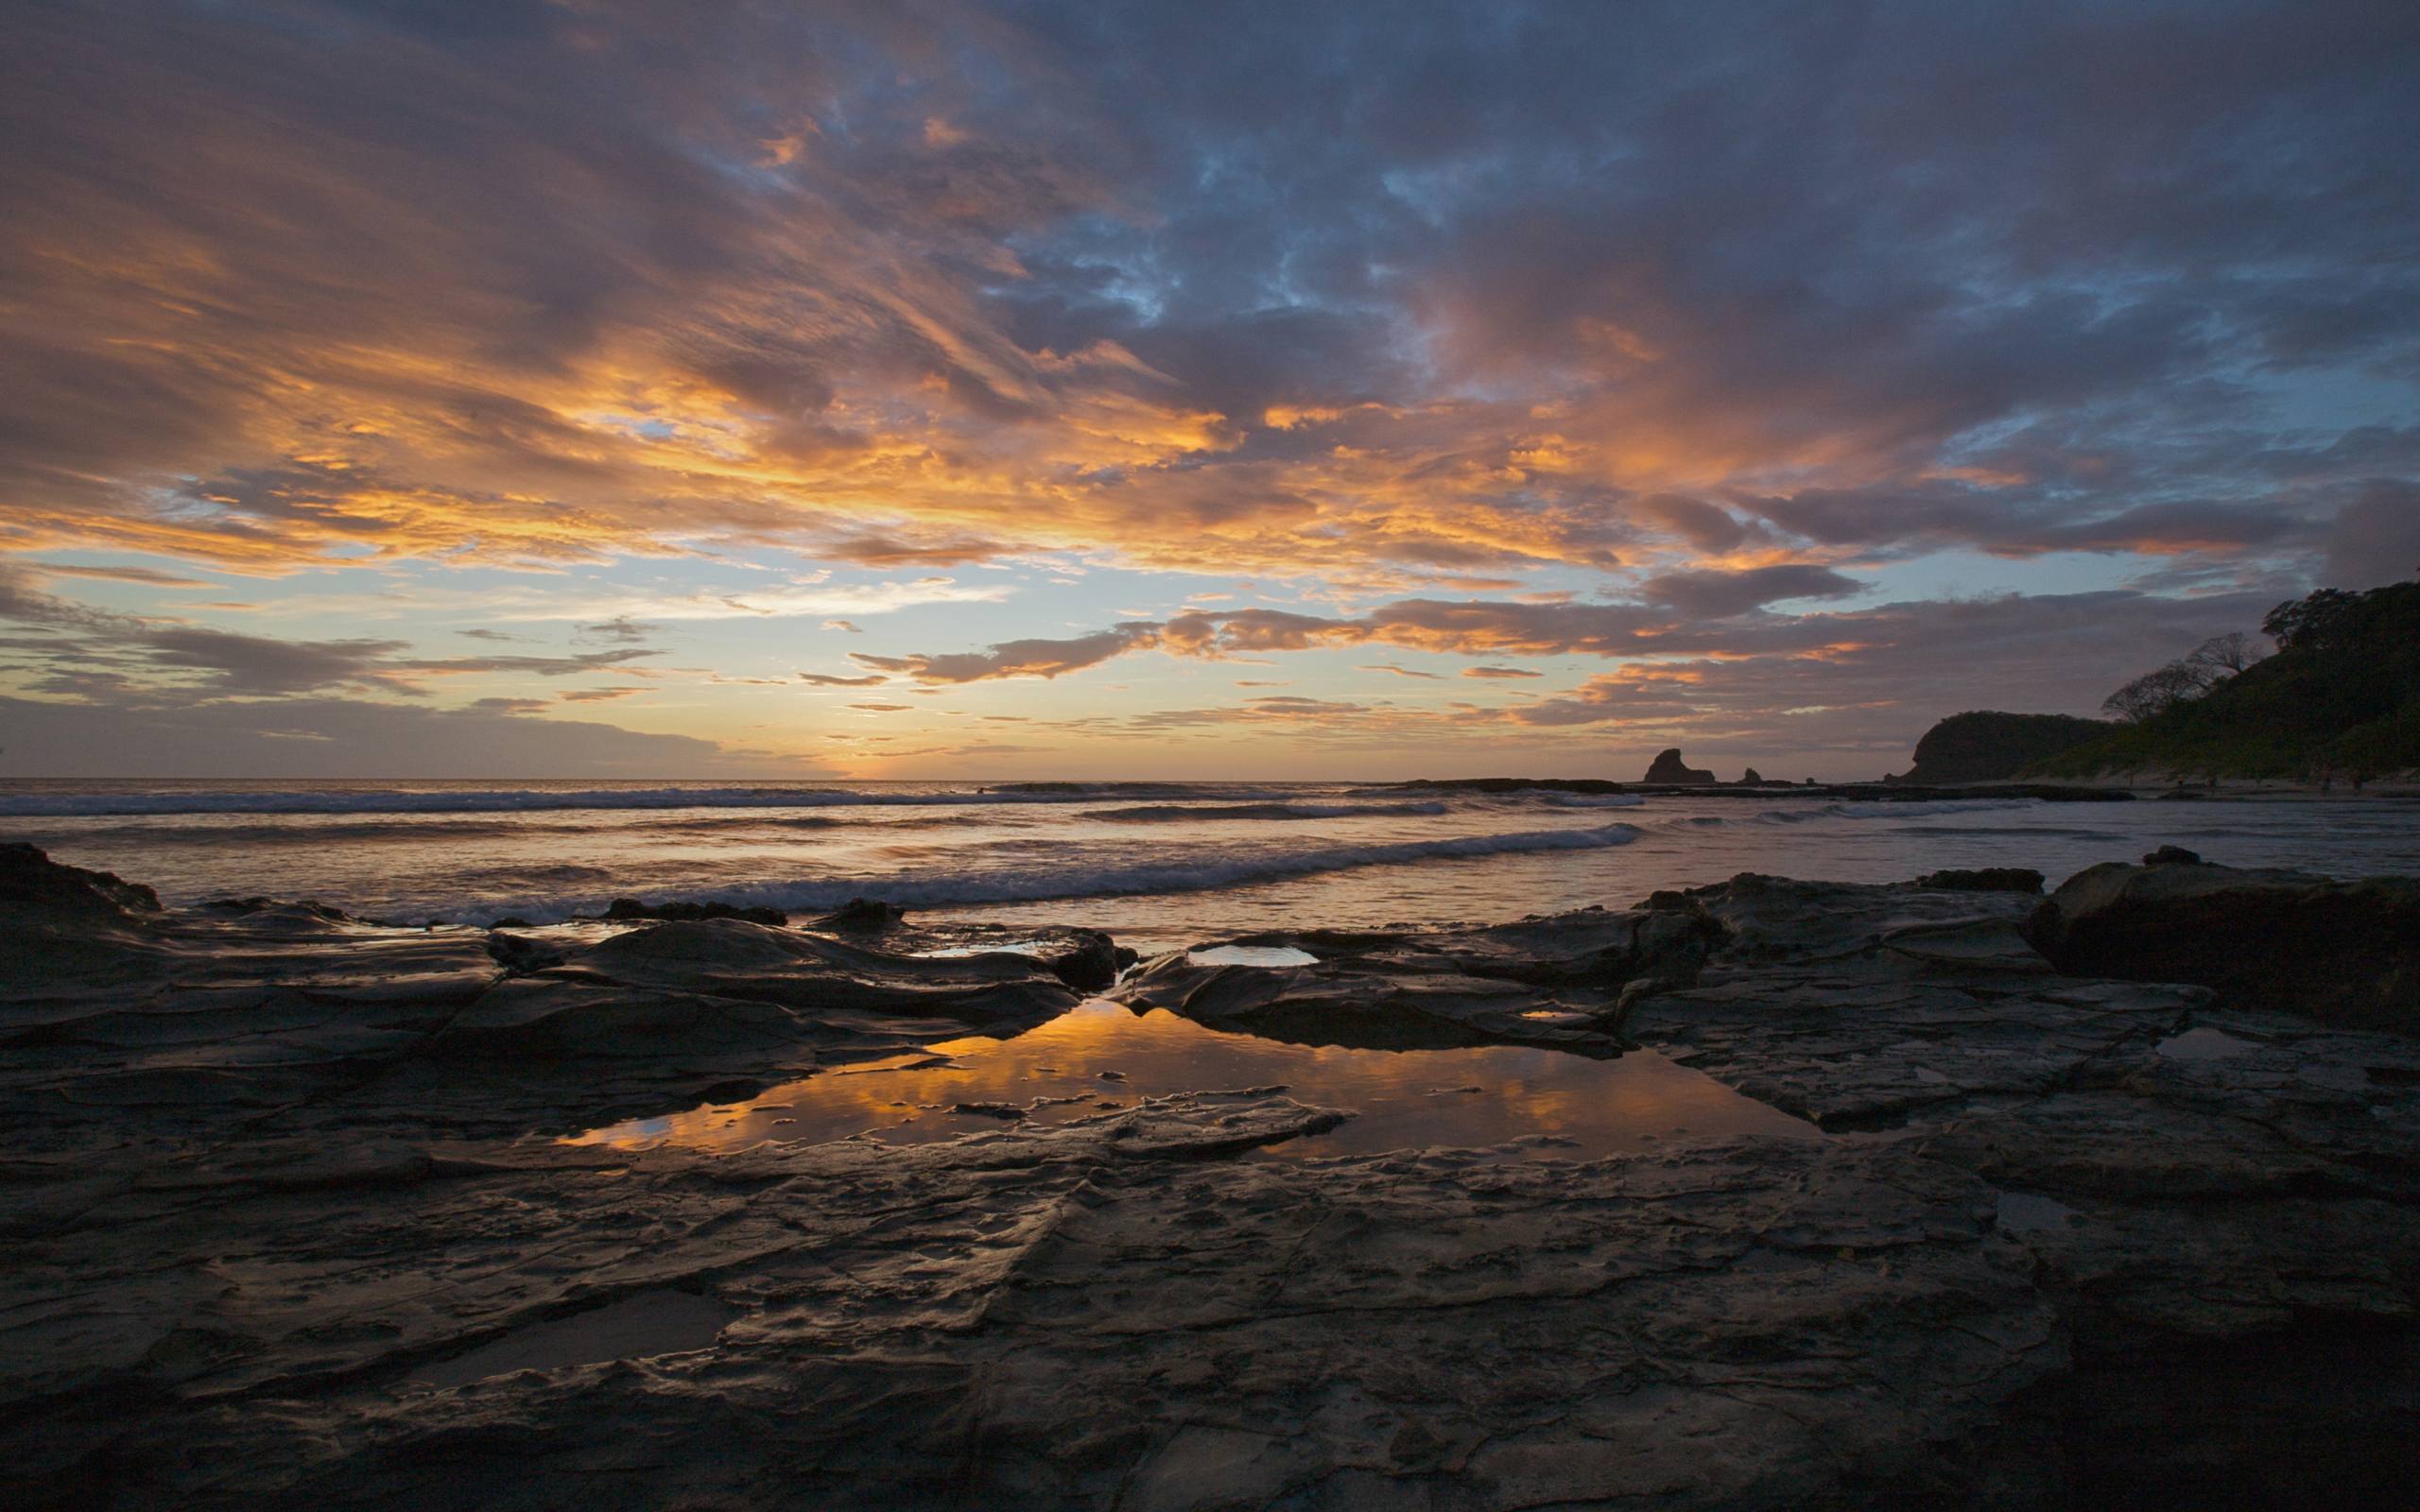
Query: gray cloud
<point x="2375" y="539"/>
<point x="337" y="737"/>
<point x="1031" y="658"/>
<point x="826" y="680"/>
<point x="1721" y="595"/>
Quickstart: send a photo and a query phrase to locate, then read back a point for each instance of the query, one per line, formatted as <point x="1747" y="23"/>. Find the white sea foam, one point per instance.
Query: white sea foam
<point x="1886" y="809"/>
<point x="1183" y="813"/>
<point x="929" y="890"/>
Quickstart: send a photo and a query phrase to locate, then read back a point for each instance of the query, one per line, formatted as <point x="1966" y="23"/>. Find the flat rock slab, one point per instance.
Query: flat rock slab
<point x="291" y="1226"/>
<point x="1554" y="981"/>
<point x="1864" y="1007"/>
<point x="1088" y="1318"/>
<point x="122" y="1019"/>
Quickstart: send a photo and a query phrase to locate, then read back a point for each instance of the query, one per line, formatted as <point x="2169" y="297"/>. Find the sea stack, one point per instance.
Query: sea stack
<point x="1668" y="768"/>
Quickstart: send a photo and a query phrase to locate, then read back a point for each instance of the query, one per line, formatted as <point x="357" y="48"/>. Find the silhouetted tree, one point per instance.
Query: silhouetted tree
<point x="2155" y="693"/>
<point x="2223" y="656"/>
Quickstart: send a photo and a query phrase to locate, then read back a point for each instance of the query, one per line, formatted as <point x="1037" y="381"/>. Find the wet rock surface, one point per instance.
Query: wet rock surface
<point x="2346" y="953"/>
<point x="1552" y="981"/>
<point x="288" y="1226"/>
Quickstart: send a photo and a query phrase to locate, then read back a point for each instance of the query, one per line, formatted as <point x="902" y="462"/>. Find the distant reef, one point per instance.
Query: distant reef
<point x="1989" y="747"/>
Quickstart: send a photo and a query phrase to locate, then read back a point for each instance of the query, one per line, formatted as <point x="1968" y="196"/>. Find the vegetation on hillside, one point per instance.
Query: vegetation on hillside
<point x="2340" y="700"/>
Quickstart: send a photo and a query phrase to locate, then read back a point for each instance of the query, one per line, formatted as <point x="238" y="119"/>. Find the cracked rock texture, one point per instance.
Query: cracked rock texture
<point x="289" y="1225"/>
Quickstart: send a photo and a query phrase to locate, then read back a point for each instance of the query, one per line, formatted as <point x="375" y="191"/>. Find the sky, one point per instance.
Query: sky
<point x="904" y="389"/>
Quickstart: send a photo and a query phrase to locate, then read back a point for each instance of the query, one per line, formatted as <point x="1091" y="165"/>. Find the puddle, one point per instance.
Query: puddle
<point x="2204" y="1045"/>
<point x="1251" y="955"/>
<point x="634" y="1328"/>
<point x="1101" y="1056"/>
<point x="1010" y="946"/>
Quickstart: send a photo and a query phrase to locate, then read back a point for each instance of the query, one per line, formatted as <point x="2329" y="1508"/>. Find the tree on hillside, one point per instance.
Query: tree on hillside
<point x="2339" y="701"/>
<point x="2186" y="679"/>
<point x="2223" y="656"/>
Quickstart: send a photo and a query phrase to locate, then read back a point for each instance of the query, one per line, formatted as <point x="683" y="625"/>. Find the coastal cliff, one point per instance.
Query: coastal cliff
<point x="1990" y="746"/>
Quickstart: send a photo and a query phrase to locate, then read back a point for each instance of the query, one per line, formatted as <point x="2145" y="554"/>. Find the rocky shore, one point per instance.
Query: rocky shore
<point x="2106" y="1198"/>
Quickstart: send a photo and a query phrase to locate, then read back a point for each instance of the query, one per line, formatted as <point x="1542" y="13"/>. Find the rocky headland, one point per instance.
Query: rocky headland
<point x="1987" y="747"/>
<point x="2088" y="1207"/>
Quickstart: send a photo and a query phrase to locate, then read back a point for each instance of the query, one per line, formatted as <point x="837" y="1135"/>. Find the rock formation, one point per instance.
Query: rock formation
<point x="287" y="1228"/>
<point x="1670" y="770"/>
<point x="2343" y="952"/>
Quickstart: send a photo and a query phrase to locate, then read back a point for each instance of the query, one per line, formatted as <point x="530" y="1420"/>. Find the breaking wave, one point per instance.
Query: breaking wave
<point x="1180" y="813"/>
<point x="1885" y="809"/>
<point x="925" y="890"/>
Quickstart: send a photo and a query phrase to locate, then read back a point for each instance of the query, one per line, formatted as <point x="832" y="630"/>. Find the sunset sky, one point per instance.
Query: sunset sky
<point x="1039" y="389"/>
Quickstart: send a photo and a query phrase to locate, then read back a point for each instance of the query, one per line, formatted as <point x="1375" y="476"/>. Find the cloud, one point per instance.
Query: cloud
<point x="1500" y="672"/>
<point x="826" y="680"/>
<point x="1017" y="659"/>
<point x="1189" y="313"/>
<point x="257" y="664"/>
<point x="620" y="627"/>
<point x="1052" y="287"/>
<point x="1709" y="529"/>
<point x="339" y="737"/>
<point x="148" y="576"/>
<point x="777" y="603"/>
<point x="1716" y="595"/>
<point x="1400" y="672"/>
<point x="2375" y="539"/>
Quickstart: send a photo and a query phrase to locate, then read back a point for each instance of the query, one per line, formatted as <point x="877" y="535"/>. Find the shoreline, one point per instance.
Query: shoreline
<point x="2037" y="1174"/>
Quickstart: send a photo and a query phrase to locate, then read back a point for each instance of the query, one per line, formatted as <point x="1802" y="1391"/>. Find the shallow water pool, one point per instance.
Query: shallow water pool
<point x="1100" y="1056"/>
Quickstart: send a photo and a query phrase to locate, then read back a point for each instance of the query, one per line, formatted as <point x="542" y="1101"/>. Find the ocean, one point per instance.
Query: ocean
<point x="1156" y="865"/>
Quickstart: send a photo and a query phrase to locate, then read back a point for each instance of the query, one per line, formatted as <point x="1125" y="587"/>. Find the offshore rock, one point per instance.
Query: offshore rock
<point x="1670" y="770"/>
<point x="1985" y="879"/>
<point x="33" y="888"/>
<point x="2344" y="952"/>
<point x="630" y="910"/>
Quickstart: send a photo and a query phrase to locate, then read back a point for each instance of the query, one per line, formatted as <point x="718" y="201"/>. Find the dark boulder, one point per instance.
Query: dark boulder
<point x="2345" y="952"/>
<point x="860" y="913"/>
<point x="630" y="910"/>
<point x="1092" y="965"/>
<point x="34" y="887"/>
<point x="1984" y="879"/>
<point x="1669" y="769"/>
<point x="248" y="907"/>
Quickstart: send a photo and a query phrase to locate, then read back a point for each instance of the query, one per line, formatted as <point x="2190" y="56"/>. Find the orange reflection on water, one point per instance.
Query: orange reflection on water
<point x="1101" y="1054"/>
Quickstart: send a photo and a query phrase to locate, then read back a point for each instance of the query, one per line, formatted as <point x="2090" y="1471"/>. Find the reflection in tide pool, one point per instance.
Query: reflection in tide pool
<point x="1100" y="1056"/>
<point x="1252" y="955"/>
